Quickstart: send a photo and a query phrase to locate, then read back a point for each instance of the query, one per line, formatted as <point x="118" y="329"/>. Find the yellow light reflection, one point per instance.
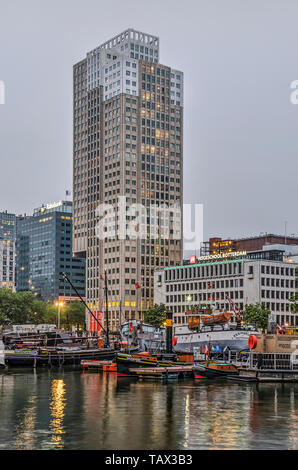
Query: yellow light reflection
<point x="24" y="434"/>
<point x="57" y="406"/>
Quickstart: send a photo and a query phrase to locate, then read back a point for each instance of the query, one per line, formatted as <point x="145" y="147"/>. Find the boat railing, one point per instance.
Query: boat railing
<point x="273" y="361"/>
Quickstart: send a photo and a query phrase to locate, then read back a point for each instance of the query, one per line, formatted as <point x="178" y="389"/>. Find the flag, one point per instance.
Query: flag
<point x="101" y="277"/>
<point x="94" y="326"/>
<point x="137" y="286"/>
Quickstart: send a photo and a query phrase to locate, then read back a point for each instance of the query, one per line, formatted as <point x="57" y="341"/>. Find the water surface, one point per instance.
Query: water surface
<point x="71" y="409"/>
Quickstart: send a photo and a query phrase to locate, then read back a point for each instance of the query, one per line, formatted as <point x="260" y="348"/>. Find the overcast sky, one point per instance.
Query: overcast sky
<point x="241" y="130"/>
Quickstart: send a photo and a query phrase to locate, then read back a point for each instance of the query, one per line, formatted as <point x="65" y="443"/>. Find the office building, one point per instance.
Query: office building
<point x="264" y="276"/>
<point x="7" y="226"/>
<point x="44" y="252"/>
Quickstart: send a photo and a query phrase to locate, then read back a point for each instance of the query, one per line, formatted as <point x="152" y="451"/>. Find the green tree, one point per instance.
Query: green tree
<point x="73" y="315"/>
<point x="156" y="315"/>
<point x="294" y="303"/>
<point x="6" y="306"/>
<point x="18" y="308"/>
<point x="50" y="314"/>
<point x="257" y="315"/>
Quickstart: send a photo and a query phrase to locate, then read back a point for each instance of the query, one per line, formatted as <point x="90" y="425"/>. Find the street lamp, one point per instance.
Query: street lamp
<point x="59" y="305"/>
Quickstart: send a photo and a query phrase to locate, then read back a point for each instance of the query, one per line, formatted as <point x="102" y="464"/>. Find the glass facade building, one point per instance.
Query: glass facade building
<point x="44" y="252"/>
<point x="7" y="226"/>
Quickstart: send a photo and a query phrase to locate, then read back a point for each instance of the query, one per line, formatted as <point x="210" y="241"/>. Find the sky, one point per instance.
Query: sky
<point x="240" y="129"/>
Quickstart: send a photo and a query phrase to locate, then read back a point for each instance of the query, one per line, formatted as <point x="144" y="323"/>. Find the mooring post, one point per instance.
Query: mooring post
<point x="169" y="332"/>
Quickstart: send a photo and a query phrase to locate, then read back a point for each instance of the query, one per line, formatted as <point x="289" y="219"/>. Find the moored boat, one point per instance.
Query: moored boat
<point x="215" y="370"/>
<point x="126" y="362"/>
<point x="272" y="358"/>
<point x="55" y="356"/>
<point x="222" y="330"/>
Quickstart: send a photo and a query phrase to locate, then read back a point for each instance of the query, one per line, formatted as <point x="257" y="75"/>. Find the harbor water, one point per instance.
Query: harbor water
<point x="72" y="409"/>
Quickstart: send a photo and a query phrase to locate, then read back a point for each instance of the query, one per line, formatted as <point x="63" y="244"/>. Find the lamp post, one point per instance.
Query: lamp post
<point x="59" y="305"/>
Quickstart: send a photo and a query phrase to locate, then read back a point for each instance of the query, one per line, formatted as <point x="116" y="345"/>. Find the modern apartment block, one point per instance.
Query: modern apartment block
<point x="44" y="252"/>
<point x="247" y="278"/>
<point x="7" y="250"/>
<point x="127" y="142"/>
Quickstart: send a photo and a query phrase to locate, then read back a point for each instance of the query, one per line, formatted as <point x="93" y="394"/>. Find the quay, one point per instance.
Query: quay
<point x="163" y="372"/>
<point x="98" y="365"/>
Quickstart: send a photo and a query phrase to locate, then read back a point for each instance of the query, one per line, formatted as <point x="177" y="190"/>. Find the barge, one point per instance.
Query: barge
<point x="272" y="358"/>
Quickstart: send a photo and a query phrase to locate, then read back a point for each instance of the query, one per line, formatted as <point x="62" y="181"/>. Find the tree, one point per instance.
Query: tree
<point x="5" y="306"/>
<point x="294" y="303"/>
<point x="156" y="315"/>
<point x="73" y="315"/>
<point x="18" y="308"/>
<point x="257" y="315"/>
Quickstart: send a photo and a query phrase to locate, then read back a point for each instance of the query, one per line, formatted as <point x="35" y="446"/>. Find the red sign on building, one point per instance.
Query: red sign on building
<point x="193" y="260"/>
<point x="94" y="326"/>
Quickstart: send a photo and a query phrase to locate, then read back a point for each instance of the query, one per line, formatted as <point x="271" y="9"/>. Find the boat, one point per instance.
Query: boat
<point x="125" y="363"/>
<point x="215" y="370"/>
<point x="2" y="357"/>
<point x="55" y="356"/>
<point x="220" y="318"/>
<point x="143" y="335"/>
<point x="272" y="358"/>
<point x="217" y="328"/>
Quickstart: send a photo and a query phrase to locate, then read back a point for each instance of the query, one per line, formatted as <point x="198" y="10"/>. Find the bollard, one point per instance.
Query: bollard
<point x="169" y="332"/>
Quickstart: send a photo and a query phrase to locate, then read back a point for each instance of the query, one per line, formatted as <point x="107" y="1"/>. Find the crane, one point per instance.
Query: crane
<point x="235" y="309"/>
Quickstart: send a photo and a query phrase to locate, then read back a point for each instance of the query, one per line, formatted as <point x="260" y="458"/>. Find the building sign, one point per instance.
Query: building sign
<point x="193" y="260"/>
<point x="222" y="256"/>
<point x="54" y="205"/>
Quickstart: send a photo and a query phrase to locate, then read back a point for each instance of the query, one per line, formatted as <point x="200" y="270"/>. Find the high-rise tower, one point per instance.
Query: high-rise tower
<point x="128" y="142"/>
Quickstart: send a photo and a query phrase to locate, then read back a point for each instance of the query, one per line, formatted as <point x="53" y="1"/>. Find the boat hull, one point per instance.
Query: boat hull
<point x="60" y="358"/>
<point x="215" y="373"/>
<point x="126" y="363"/>
<point x="219" y="340"/>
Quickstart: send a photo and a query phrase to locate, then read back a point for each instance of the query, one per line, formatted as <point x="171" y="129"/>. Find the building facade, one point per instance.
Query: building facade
<point x="7" y="250"/>
<point x="44" y="252"/>
<point x="7" y="264"/>
<point x="7" y="226"/>
<point x="218" y="245"/>
<point x="128" y="143"/>
<point x="247" y="278"/>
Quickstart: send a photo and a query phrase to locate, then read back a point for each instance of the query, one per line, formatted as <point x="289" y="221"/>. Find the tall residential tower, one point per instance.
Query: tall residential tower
<point x="128" y="142"/>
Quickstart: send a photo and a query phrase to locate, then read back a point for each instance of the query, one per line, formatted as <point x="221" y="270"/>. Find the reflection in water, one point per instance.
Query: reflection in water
<point x="186" y="421"/>
<point x="103" y="412"/>
<point x="24" y="430"/>
<point x="57" y="407"/>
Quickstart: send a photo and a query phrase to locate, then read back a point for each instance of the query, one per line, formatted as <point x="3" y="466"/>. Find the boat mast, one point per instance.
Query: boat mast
<point x="107" y="309"/>
<point x="65" y="278"/>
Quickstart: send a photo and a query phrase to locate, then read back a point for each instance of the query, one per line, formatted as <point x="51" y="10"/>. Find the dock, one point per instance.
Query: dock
<point x="166" y="373"/>
<point x="266" y="375"/>
<point x="104" y="366"/>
